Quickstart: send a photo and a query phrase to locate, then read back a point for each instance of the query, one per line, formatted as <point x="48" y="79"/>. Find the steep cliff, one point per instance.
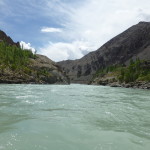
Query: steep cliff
<point x="132" y="43"/>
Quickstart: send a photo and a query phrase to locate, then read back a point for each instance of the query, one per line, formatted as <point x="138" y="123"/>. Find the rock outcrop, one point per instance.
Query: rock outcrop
<point x="41" y="70"/>
<point x="43" y="63"/>
<point x="132" y="43"/>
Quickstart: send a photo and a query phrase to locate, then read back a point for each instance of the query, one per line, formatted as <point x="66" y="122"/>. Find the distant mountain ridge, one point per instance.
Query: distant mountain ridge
<point x="132" y="43"/>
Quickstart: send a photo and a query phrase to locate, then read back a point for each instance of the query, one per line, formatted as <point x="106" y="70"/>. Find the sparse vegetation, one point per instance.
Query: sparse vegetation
<point x="138" y="70"/>
<point x="114" y="69"/>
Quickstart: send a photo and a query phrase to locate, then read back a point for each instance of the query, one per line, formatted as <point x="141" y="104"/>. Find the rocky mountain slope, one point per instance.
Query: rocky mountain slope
<point x="7" y="39"/>
<point x="21" y="66"/>
<point x="41" y="70"/>
<point x="132" y="43"/>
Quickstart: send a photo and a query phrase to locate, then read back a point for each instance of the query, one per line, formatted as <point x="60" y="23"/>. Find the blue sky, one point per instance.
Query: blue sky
<point x="68" y="29"/>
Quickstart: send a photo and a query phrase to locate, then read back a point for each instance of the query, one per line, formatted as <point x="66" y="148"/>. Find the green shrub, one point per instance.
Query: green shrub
<point x="14" y="56"/>
<point x="135" y="71"/>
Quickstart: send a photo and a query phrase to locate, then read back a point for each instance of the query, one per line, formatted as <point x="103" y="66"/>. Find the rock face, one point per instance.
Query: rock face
<point x="132" y="43"/>
<point x="7" y="39"/>
<point x="43" y="63"/>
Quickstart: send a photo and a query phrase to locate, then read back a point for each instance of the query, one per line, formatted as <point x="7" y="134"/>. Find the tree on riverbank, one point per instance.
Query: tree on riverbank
<point x="138" y="70"/>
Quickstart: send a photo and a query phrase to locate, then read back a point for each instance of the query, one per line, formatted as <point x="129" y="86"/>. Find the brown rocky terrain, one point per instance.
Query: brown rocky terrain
<point x="132" y="43"/>
<point x="41" y="70"/>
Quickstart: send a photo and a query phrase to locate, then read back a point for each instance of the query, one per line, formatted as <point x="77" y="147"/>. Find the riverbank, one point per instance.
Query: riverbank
<point x="134" y="75"/>
<point x="138" y="84"/>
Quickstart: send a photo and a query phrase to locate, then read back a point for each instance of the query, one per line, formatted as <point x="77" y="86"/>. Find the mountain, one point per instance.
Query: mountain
<point x="22" y="66"/>
<point x="131" y="44"/>
<point x="7" y="39"/>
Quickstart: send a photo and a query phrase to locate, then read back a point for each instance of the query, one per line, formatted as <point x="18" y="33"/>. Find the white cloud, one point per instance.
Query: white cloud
<point x="48" y="29"/>
<point x="28" y="46"/>
<point x="100" y="20"/>
<point x="93" y="24"/>
<point x="83" y="25"/>
<point x="62" y="51"/>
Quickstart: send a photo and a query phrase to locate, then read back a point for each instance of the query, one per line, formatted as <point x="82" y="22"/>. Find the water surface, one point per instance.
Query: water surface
<point x="73" y="117"/>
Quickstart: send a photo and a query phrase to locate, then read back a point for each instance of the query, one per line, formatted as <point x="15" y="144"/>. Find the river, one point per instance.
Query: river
<point x="73" y="117"/>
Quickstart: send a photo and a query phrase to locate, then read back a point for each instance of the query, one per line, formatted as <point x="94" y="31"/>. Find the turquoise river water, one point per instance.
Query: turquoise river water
<point x="73" y="117"/>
